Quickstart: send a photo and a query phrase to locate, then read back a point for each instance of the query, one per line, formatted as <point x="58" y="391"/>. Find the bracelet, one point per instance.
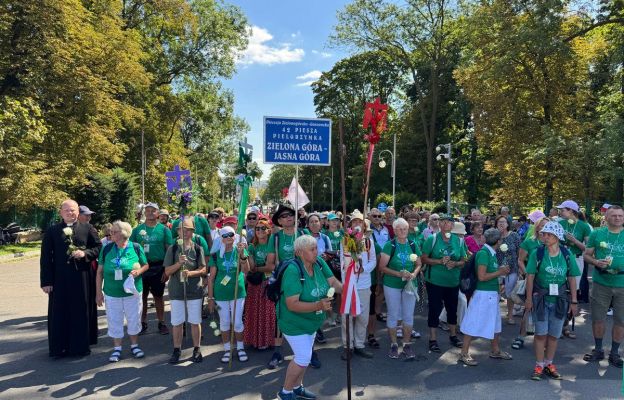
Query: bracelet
<point x="574" y="302"/>
<point x="243" y="259"/>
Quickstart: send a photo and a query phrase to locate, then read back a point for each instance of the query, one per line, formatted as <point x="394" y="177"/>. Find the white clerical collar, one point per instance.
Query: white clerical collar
<point x="490" y="248"/>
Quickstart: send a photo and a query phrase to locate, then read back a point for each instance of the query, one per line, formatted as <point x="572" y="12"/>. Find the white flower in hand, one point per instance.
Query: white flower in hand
<point x="142" y="233"/>
<point x="504" y="247"/>
<point x="571" y="221"/>
<point x="213" y="325"/>
<point x="67" y="231"/>
<point x="330" y="292"/>
<point x="244" y="233"/>
<point x="447" y="235"/>
<point x="416" y="229"/>
<point x="179" y="241"/>
<point x="413" y="257"/>
<point x="604" y="245"/>
<point x="217" y="332"/>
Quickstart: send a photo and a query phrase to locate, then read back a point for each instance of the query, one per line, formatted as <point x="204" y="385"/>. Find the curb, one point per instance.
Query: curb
<point x="9" y="258"/>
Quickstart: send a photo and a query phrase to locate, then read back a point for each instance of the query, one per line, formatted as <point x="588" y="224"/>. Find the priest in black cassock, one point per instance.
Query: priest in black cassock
<point x="67" y="277"/>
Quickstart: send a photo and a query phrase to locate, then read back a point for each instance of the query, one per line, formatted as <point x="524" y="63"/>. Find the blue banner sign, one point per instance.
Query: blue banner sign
<point x="302" y="141"/>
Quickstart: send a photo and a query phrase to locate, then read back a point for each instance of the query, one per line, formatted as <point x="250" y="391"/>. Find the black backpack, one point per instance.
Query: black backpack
<point x="393" y="243"/>
<point x="468" y="276"/>
<point x="273" y="290"/>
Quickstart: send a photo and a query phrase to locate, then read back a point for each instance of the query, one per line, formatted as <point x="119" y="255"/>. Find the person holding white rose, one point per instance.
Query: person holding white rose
<point x="507" y="254"/>
<point x="400" y="263"/>
<point x="445" y="256"/>
<point x="483" y="317"/>
<point x="366" y="261"/>
<point x="185" y="265"/>
<point x="605" y="250"/>
<point x="117" y="262"/>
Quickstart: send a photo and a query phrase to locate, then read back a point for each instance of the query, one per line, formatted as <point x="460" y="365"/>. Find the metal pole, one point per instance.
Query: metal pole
<point x="394" y="171"/>
<point x="296" y="200"/>
<point x="448" y="181"/>
<point x="312" y="205"/>
<point x="332" y="188"/>
<point x="142" y="167"/>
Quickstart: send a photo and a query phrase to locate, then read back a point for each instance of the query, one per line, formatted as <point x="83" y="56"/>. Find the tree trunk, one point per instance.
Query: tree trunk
<point x="619" y="181"/>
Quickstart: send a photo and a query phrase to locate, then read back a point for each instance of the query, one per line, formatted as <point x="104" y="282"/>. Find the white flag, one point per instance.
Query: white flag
<point x="295" y="189"/>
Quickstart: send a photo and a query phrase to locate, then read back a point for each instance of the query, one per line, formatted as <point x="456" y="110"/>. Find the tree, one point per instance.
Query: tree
<point x="280" y="178"/>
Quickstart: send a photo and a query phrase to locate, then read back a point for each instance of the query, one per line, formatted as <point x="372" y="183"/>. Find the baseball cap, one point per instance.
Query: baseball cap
<point x="331" y="216"/>
<point x="571" y="204"/>
<point x="84" y="210"/>
<point x="153" y="205"/>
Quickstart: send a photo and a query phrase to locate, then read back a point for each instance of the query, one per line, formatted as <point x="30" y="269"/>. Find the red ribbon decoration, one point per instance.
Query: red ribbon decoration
<point x="285" y="192"/>
<point x="375" y="116"/>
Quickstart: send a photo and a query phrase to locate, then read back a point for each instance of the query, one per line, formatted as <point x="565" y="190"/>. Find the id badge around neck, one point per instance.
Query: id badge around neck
<point x="553" y="289"/>
<point x="118" y="274"/>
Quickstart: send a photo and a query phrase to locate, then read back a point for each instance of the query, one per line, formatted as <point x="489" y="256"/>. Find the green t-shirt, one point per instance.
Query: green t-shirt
<point x="259" y="252"/>
<point x="485" y="257"/>
<point x="313" y="289"/>
<point x="335" y="240"/>
<point x="438" y="274"/>
<point x="416" y="237"/>
<point x="127" y="259"/>
<point x="530" y="244"/>
<point x="399" y="262"/>
<point x="580" y="230"/>
<point x="202" y="227"/>
<point x="202" y="243"/>
<point x="552" y="270"/>
<point x="154" y="240"/>
<point x="194" y="287"/>
<point x="422" y="226"/>
<point x="606" y="244"/>
<point x="285" y="246"/>
<point x="226" y="266"/>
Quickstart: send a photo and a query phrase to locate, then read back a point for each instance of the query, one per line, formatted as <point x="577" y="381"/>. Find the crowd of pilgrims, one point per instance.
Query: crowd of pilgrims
<point x="408" y="263"/>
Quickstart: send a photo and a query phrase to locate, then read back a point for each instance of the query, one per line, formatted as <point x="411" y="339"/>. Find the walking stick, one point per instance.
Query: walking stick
<point x="234" y="308"/>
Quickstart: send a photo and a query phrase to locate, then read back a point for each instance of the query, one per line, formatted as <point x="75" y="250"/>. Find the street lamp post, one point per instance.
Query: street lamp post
<point x="382" y="164"/>
<point x="331" y="185"/>
<point x="449" y="161"/>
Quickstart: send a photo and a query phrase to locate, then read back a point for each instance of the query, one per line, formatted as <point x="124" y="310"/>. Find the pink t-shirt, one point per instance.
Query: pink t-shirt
<point x="472" y="244"/>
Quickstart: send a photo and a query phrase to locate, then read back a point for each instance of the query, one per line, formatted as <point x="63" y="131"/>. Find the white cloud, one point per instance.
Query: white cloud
<point x="309" y="78"/>
<point x="260" y="52"/>
<point x="321" y="53"/>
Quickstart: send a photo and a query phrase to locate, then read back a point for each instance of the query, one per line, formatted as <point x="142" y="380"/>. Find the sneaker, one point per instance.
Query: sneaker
<point x="400" y="333"/>
<point x="362" y="352"/>
<point x="320" y="337"/>
<point x="162" y="328"/>
<point x="610" y="312"/>
<point x="468" y="360"/>
<point x="538" y="372"/>
<point x="443" y="326"/>
<point x="408" y="353"/>
<point x="394" y="351"/>
<point x="175" y="356"/>
<point x="616" y="360"/>
<point x="303" y="394"/>
<point x="415" y="334"/>
<point x="143" y="328"/>
<point x="551" y="371"/>
<point x="276" y="360"/>
<point x="197" y="356"/>
<point x="314" y="361"/>
<point x="286" y="396"/>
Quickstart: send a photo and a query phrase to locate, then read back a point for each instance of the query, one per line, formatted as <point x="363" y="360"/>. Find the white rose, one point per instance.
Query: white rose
<point x="571" y="221"/>
<point x="416" y="229"/>
<point x="136" y="266"/>
<point x="142" y="233"/>
<point x="213" y="325"/>
<point x="217" y="332"/>
<point x="604" y="245"/>
<point x="447" y="235"/>
<point x="179" y="241"/>
<point x="67" y="231"/>
<point x="504" y="247"/>
<point x="413" y="257"/>
<point x="330" y="292"/>
<point x="244" y="233"/>
<point x="336" y="234"/>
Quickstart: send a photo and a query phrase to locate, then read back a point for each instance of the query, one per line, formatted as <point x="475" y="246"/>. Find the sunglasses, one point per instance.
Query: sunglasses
<point x="286" y="215"/>
<point x="375" y="216"/>
<point x="251" y="218"/>
<point x="262" y="228"/>
<point x="228" y="235"/>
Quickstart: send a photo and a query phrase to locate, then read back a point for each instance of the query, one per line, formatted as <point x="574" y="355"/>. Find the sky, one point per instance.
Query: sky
<point x="288" y="50"/>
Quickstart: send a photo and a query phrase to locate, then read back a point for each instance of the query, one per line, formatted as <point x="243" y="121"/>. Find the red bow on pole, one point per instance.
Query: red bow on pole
<point x="375" y="116"/>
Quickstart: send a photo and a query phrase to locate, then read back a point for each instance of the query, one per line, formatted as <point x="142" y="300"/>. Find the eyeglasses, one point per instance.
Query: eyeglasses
<point x="375" y="216"/>
<point x="261" y="228"/>
<point x="251" y="218"/>
<point x="228" y="235"/>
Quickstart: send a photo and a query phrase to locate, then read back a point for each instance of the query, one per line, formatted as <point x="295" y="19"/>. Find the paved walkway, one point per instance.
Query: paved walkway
<point x="27" y="372"/>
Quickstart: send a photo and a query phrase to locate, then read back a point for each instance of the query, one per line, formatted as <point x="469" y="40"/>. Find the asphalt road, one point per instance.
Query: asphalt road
<point x="26" y="371"/>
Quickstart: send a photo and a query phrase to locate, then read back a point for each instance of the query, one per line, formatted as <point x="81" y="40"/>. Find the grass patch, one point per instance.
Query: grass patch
<point x="19" y="248"/>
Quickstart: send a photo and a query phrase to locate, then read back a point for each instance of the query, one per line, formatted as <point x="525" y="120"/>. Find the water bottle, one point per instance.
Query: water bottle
<point x="530" y="328"/>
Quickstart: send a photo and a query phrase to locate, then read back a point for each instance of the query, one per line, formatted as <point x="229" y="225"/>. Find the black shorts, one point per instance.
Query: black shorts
<point x="152" y="280"/>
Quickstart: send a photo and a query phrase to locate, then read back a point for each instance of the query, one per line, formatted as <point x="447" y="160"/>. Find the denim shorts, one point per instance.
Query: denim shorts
<point x="551" y="326"/>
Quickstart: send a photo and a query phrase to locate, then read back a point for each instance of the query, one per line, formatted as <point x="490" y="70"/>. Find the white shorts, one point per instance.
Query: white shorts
<point x="483" y="318"/>
<point x="301" y="346"/>
<point x="194" y="309"/>
<point x="226" y="309"/>
<point x="119" y="307"/>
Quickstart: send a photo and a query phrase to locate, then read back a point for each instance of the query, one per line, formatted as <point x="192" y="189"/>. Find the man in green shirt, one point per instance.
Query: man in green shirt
<point x="605" y="250"/>
<point x="155" y="238"/>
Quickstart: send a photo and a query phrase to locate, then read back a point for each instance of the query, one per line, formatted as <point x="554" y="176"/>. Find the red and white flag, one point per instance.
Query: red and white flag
<point x="350" y="303"/>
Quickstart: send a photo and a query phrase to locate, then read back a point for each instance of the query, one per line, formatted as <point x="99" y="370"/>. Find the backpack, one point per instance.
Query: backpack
<point x="197" y="249"/>
<point x="273" y="290"/>
<point x="468" y="276"/>
<point x="109" y="247"/>
<point x="393" y="243"/>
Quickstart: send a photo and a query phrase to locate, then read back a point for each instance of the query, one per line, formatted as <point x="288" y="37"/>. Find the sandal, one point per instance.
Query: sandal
<point x="381" y="318"/>
<point x="433" y="346"/>
<point x="115" y="356"/>
<point x="569" y="334"/>
<point x="595" y="355"/>
<point x="517" y="344"/>
<point x="242" y="356"/>
<point x="501" y="355"/>
<point x="225" y="358"/>
<point x="137" y="352"/>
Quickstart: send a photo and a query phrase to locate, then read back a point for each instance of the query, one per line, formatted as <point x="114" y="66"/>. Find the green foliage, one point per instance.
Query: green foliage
<point x="123" y="196"/>
<point x="96" y="194"/>
<point x="280" y="178"/>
